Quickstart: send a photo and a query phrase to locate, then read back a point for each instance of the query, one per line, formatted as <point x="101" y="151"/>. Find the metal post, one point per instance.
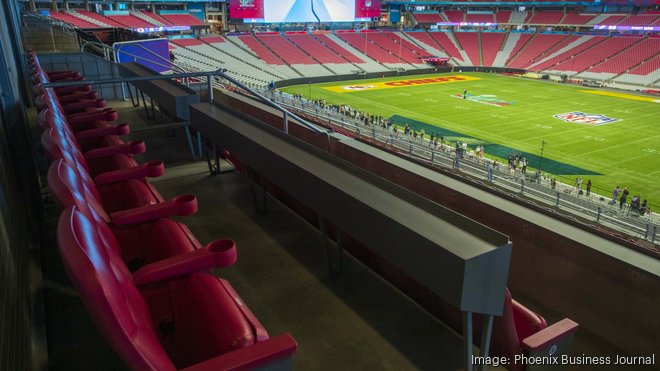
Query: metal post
<point x="522" y="185"/>
<point x="210" y="87"/>
<point x="598" y="216"/>
<point x="557" y="202"/>
<point x="653" y="235"/>
<point x="541" y="158"/>
<point x="52" y="38"/>
<point x="286" y="122"/>
<point x="486" y="330"/>
<point x="467" y="341"/>
<point x="648" y="229"/>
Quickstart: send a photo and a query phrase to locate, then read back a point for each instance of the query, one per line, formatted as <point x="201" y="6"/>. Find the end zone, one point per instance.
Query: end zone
<point x="400" y="83"/>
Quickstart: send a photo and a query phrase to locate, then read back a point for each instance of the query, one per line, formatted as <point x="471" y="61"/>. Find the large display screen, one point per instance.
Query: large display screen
<point x="304" y="11"/>
<point x="153" y="53"/>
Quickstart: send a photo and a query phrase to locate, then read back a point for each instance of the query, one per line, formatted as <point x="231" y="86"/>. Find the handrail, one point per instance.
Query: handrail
<point x="116" y="80"/>
<point x="220" y="72"/>
<point x="107" y="48"/>
<point x="272" y="104"/>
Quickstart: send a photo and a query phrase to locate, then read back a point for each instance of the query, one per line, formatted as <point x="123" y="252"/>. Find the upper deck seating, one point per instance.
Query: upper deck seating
<point x="156" y="17"/>
<point x="577" y="18"/>
<point x="182" y="19"/>
<point x="502" y="16"/>
<point x="639" y="20"/>
<point x="99" y="18"/>
<point x="479" y="18"/>
<point x="428" y="17"/>
<point x="130" y="21"/>
<point x="75" y="21"/>
<point x="545" y="18"/>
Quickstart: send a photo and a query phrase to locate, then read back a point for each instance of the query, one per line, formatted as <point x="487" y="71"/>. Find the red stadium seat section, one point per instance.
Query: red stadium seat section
<point x="145" y="279"/>
<point x="167" y="315"/>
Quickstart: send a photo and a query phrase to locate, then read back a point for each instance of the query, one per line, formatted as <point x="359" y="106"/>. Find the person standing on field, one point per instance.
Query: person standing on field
<point x="624" y="196"/>
<point x="615" y="194"/>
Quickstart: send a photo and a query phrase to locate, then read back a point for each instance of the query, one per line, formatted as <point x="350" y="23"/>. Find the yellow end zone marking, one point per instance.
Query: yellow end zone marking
<point x="399" y="83"/>
<point x="621" y="95"/>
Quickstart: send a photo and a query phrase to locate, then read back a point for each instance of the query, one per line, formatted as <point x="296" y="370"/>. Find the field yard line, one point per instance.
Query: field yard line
<point x="627" y="144"/>
<point x="634" y="158"/>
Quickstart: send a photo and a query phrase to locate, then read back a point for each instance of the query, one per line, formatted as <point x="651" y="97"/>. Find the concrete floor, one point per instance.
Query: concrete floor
<point x="354" y="321"/>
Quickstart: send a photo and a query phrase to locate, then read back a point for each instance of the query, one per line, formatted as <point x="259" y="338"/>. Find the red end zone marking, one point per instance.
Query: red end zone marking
<point x="424" y="81"/>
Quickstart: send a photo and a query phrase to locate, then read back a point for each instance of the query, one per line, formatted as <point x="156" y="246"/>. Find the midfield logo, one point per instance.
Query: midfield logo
<point x="586" y="118"/>
<point x="490" y="100"/>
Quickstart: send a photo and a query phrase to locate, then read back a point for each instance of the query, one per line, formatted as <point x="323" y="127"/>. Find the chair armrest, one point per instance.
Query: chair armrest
<point x="553" y="340"/>
<point x="71" y="89"/>
<point x="60" y="75"/>
<point x="129" y="148"/>
<point x="274" y="354"/>
<point x="217" y="254"/>
<point x="151" y="169"/>
<point x="78" y="107"/>
<point x="180" y="205"/>
<point x="76" y="96"/>
<point x="121" y="129"/>
<point x="106" y="114"/>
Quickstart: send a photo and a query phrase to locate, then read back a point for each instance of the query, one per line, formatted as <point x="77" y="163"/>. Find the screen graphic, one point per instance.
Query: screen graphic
<point x="304" y="11"/>
<point x="246" y="9"/>
<point x="153" y="53"/>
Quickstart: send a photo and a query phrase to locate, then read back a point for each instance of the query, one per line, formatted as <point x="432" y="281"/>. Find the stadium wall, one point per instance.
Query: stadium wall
<point x="376" y="75"/>
<point x="556" y="265"/>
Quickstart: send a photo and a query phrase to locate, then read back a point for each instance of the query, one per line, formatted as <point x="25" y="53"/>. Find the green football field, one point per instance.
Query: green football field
<point x="619" y="144"/>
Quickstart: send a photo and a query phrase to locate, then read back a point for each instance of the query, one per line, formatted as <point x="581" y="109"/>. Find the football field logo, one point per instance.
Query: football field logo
<point x="488" y="99"/>
<point x="586" y="118"/>
<point x="359" y="87"/>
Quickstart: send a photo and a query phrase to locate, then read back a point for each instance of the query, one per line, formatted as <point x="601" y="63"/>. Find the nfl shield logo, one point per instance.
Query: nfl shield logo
<point x="586" y="118"/>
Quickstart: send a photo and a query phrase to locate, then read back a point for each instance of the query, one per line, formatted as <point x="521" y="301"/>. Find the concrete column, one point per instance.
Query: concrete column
<point x="87" y="5"/>
<point x="54" y="6"/>
<point x="153" y="8"/>
<point x="223" y="18"/>
<point x="66" y="5"/>
<point x="33" y="6"/>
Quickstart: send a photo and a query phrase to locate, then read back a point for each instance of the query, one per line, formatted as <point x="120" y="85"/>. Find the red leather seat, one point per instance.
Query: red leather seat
<point x="154" y="238"/>
<point x="167" y="315"/>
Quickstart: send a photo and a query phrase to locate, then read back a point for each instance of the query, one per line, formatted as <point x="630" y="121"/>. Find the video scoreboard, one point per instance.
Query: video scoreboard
<point x="304" y="11"/>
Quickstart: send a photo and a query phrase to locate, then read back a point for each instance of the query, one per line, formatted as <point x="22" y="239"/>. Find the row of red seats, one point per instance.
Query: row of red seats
<point x="145" y="279"/>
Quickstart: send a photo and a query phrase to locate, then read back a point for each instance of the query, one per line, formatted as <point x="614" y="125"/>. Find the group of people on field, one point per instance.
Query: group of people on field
<point x="637" y="206"/>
